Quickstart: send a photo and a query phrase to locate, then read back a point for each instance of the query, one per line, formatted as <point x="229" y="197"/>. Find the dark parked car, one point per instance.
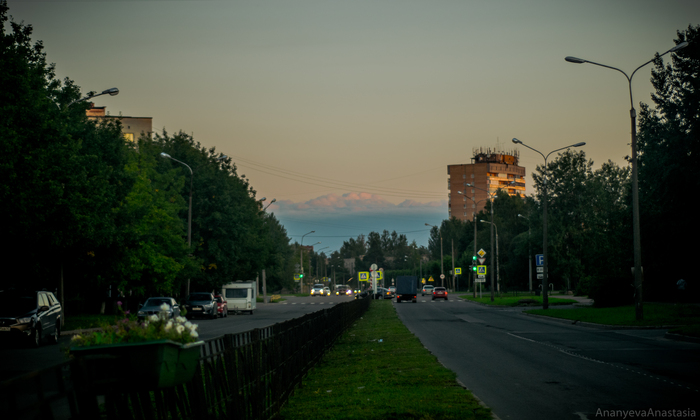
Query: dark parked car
<point x="30" y="316"/>
<point x="439" y="293"/>
<point x="201" y="304"/>
<point x="152" y="306"/>
<point x="221" y="306"/>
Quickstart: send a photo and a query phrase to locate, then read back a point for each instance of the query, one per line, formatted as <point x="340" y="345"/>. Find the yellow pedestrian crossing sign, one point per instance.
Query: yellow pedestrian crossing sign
<point x="458" y="271"/>
<point x="481" y="270"/>
<point x="363" y="275"/>
<point x="380" y="275"/>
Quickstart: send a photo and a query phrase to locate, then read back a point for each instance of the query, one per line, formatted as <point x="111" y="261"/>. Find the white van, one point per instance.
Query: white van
<point x="241" y="295"/>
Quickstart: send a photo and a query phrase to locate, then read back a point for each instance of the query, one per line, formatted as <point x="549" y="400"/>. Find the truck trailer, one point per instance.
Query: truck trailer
<point x="406" y="288"/>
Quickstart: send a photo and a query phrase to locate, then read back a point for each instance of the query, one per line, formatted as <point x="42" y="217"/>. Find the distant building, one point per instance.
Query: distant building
<point x="489" y="171"/>
<point x="132" y="127"/>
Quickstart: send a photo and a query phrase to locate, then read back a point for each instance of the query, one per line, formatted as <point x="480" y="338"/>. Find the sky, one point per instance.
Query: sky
<point x="348" y="112"/>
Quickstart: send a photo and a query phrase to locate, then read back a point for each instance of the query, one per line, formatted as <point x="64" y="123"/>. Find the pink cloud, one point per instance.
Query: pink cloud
<point x="351" y="202"/>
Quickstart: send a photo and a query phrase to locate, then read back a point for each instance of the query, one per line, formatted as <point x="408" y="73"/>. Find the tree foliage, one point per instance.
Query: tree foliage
<point x="669" y="144"/>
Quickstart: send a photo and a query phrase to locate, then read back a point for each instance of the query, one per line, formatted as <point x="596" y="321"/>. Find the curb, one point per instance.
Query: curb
<point x="681" y="337"/>
<point x="603" y="326"/>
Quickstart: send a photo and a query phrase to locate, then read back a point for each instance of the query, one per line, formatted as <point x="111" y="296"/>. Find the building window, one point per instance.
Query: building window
<point x="129" y="137"/>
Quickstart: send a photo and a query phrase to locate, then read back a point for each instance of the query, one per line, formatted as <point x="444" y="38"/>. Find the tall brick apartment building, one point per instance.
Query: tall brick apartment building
<point x="489" y="171"/>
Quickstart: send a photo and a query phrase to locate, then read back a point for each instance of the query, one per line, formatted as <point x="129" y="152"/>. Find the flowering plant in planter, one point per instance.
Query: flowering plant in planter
<point x="152" y="328"/>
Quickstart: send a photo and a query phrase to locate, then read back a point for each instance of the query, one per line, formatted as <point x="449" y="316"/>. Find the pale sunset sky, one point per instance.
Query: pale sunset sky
<point x="348" y="112"/>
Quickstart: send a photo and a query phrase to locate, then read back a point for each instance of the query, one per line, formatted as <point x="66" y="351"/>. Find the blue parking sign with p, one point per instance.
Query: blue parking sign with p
<point x="539" y="259"/>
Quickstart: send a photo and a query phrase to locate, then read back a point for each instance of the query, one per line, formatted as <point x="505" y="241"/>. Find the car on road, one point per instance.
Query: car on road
<point x="427" y="290"/>
<point x="317" y="290"/>
<point x="343" y="290"/>
<point x="439" y="293"/>
<point x="30" y="315"/>
<point x="201" y="304"/>
<point x="382" y="293"/>
<point x="392" y="291"/>
<point x="152" y="306"/>
<point x="221" y="306"/>
<point x="326" y="291"/>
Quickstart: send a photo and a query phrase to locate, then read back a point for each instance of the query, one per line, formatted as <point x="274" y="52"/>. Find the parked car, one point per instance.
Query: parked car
<point x="326" y="291"/>
<point x="221" y="306"/>
<point x="317" y="290"/>
<point x="439" y="293"/>
<point x="30" y="316"/>
<point x="152" y="306"/>
<point x="392" y="291"/>
<point x="427" y="290"/>
<point x="201" y="304"/>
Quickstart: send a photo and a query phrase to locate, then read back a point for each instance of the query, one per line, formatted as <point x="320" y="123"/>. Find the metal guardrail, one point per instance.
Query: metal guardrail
<point x="246" y="376"/>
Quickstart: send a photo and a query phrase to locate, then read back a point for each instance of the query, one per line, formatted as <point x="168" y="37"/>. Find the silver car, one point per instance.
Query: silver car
<point x="152" y="306"/>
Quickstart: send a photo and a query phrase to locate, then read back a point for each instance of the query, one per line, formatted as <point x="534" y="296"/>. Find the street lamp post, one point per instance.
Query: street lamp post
<point x="189" y="213"/>
<point x="498" y="273"/>
<point x="90" y="95"/>
<point x="474" y="223"/>
<point x="270" y="203"/>
<point x="491" y="196"/>
<point x="442" y="272"/>
<point x="301" y="260"/>
<point x="529" y="252"/>
<point x="545" y="263"/>
<point x="638" y="275"/>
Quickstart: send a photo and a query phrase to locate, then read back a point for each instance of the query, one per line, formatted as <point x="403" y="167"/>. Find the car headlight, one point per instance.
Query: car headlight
<point x="24" y="320"/>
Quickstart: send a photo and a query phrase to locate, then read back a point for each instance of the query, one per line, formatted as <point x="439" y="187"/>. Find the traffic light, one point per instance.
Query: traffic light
<point x="474" y="263"/>
<point x="301" y="276"/>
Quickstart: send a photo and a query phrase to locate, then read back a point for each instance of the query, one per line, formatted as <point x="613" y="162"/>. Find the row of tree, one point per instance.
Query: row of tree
<point x="92" y="215"/>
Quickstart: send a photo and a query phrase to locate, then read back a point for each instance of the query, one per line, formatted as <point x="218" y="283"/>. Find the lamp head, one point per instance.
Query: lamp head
<point x="516" y="141"/>
<point x="679" y="46"/>
<point x="575" y="60"/>
<point x="111" y="92"/>
<point x="165" y="155"/>
<point x="579" y="144"/>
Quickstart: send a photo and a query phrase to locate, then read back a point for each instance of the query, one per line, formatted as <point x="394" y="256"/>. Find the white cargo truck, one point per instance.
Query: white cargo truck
<point x="241" y="295"/>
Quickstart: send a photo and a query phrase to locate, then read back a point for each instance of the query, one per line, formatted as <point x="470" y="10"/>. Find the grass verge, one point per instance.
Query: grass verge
<point x="515" y="300"/>
<point x="655" y="315"/>
<point x="379" y="370"/>
<point x="81" y="322"/>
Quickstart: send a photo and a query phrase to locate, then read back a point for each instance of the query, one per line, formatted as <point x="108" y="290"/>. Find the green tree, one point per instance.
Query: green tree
<point x="669" y="144"/>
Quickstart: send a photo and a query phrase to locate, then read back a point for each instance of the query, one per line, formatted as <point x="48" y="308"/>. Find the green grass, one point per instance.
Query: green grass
<point x="515" y="300"/>
<point x="78" y="322"/>
<point x="655" y="314"/>
<point x="397" y="378"/>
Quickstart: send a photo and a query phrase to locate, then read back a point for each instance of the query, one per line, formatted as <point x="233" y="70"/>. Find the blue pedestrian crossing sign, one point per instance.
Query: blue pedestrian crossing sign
<point x="481" y="270"/>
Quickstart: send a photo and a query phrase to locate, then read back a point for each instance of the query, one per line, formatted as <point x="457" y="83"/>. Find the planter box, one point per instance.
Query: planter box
<point x="141" y="366"/>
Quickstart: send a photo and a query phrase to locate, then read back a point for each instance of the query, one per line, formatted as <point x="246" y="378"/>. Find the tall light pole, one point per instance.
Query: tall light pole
<point x="90" y="95"/>
<point x="442" y="272"/>
<point x="301" y="260"/>
<point x="545" y="263"/>
<point x="529" y="252"/>
<point x="189" y="213"/>
<point x="498" y="273"/>
<point x="474" y="222"/>
<point x="638" y="275"/>
<point x="491" y="196"/>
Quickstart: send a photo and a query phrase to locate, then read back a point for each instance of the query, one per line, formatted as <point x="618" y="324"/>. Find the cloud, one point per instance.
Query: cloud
<point x="353" y="202"/>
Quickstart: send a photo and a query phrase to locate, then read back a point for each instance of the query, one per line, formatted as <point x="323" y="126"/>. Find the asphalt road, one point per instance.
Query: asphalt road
<point x="531" y="368"/>
<point x="17" y="359"/>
